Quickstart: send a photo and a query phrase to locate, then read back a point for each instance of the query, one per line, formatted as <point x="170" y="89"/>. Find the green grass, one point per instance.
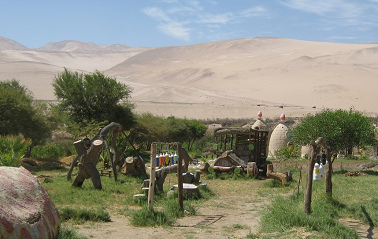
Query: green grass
<point x="69" y="233"/>
<point x="81" y="215"/>
<point x="79" y="205"/>
<point x="114" y="194"/>
<point x="146" y="217"/>
<point x="353" y="197"/>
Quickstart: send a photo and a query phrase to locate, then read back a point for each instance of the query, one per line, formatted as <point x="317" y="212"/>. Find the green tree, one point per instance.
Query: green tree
<point x="148" y="129"/>
<point x="19" y="114"/>
<point x="340" y="129"/>
<point x="197" y="131"/>
<point x="178" y="130"/>
<point x="93" y="97"/>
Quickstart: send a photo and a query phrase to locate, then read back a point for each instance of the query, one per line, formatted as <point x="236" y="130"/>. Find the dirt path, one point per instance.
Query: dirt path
<point x="227" y="216"/>
<point x="234" y="213"/>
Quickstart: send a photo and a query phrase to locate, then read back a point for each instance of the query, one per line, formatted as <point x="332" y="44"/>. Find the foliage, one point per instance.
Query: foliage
<point x="146" y="217"/>
<point x="93" y="97"/>
<point x="68" y="233"/>
<point x="12" y="150"/>
<point x="49" y="151"/>
<point x="19" y="114"/>
<point x="171" y="210"/>
<point x="150" y="128"/>
<point x="287" y="152"/>
<point x="197" y="131"/>
<point x="283" y="215"/>
<point x="81" y="215"/>
<point x="354" y="197"/>
<point x="83" y="129"/>
<point x="340" y="129"/>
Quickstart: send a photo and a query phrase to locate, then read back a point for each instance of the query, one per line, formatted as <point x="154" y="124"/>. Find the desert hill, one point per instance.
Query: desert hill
<point x="232" y="78"/>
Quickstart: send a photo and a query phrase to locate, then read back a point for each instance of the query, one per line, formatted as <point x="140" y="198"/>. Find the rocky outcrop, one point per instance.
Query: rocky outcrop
<point x="26" y="210"/>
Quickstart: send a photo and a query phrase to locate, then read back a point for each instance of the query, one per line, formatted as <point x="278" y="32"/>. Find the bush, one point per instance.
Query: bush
<point x="12" y="150"/>
<point x="288" y="152"/>
<point x="49" y="150"/>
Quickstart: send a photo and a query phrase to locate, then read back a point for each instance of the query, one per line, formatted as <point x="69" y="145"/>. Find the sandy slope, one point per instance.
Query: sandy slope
<point x="232" y="78"/>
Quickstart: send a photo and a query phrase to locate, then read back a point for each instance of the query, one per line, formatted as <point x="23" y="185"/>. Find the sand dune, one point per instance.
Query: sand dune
<point x="233" y="78"/>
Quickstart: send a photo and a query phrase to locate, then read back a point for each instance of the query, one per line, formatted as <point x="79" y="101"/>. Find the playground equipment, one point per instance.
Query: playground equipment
<point x="152" y="181"/>
<point x="237" y="148"/>
<point x="88" y="152"/>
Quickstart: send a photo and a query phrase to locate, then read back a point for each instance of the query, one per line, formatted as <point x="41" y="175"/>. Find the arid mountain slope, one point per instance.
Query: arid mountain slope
<point x="231" y="78"/>
<point x="235" y="76"/>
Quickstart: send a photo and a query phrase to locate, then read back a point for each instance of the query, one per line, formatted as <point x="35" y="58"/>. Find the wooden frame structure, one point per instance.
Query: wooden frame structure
<point x="249" y="145"/>
<point x="151" y="190"/>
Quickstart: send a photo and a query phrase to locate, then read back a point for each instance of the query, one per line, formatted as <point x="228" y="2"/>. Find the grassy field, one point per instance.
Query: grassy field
<point x="283" y="217"/>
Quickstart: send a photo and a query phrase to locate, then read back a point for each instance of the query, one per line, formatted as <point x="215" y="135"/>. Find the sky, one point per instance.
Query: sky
<point x="157" y="23"/>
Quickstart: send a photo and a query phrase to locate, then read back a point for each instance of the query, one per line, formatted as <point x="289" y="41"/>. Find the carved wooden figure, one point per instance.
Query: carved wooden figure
<point x="87" y="165"/>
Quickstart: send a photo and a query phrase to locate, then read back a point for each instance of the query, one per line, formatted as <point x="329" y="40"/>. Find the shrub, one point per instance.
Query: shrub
<point x="49" y="150"/>
<point x="12" y="150"/>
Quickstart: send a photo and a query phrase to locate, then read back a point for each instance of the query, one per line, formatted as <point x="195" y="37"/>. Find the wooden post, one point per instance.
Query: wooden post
<point x="151" y="189"/>
<point x="179" y="177"/>
<point x="313" y="152"/>
<point x="310" y="169"/>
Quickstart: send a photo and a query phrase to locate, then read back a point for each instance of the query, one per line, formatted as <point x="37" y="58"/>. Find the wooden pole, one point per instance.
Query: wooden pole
<point x="310" y="169"/>
<point x="151" y="189"/>
<point x="314" y="151"/>
<point x="179" y="177"/>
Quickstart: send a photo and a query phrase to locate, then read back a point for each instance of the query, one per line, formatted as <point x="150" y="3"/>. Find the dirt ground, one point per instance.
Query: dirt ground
<point x="229" y="215"/>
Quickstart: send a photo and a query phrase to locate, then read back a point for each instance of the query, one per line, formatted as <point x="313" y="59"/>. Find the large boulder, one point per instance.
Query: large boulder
<point x="26" y="210"/>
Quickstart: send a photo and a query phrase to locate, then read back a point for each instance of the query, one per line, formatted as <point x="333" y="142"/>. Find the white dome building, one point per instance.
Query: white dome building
<point x="278" y="139"/>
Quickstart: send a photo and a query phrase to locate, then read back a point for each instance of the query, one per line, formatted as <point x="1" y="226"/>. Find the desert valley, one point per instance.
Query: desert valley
<point x="225" y="79"/>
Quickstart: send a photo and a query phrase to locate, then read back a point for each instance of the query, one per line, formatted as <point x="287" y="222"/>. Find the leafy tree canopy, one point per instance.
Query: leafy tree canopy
<point x="340" y="129"/>
<point x="19" y="114"/>
<point x="150" y="128"/>
<point x="93" y="97"/>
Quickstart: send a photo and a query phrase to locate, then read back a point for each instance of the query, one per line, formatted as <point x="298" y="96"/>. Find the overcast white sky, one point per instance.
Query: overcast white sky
<point x="35" y="23"/>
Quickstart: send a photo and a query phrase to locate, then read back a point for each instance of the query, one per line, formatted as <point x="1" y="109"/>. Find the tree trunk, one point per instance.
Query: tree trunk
<point x="308" y="190"/>
<point x="134" y="166"/>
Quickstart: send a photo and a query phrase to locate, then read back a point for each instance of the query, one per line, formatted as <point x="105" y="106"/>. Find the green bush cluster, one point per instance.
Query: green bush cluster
<point x="49" y="150"/>
<point x="12" y="150"/>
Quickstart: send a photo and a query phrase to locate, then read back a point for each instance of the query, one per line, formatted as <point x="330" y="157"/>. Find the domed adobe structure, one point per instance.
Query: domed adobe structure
<point x="259" y="125"/>
<point x="278" y="139"/>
